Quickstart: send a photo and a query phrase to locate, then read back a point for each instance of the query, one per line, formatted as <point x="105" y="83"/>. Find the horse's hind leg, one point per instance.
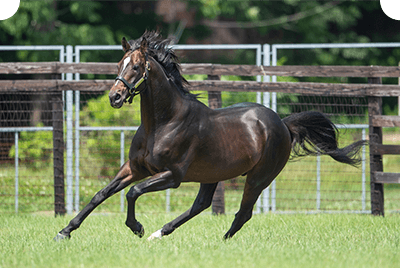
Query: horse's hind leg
<point x="122" y="179"/>
<point x="202" y="202"/>
<point x="250" y="196"/>
<point x="257" y="180"/>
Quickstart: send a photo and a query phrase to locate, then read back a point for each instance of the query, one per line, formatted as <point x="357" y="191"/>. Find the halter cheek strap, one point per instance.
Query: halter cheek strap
<point x="133" y="87"/>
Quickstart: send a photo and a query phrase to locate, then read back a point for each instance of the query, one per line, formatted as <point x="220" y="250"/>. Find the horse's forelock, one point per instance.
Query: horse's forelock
<point x="161" y="51"/>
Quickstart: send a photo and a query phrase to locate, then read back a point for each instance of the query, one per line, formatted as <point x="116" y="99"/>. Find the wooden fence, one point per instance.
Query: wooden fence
<point x="374" y="90"/>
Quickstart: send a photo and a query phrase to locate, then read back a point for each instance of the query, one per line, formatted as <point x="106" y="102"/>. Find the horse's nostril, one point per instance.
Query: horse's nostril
<point x="117" y="97"/>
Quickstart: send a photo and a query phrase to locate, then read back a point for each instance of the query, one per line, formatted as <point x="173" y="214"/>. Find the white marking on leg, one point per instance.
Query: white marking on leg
<point x="155" y="235"/>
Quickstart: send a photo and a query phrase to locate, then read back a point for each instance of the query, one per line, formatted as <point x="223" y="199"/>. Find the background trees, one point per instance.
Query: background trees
<point x="53" y="22"/>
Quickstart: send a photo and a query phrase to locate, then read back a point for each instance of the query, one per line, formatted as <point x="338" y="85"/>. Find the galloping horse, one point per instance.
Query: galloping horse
<point x="182" y="140"/>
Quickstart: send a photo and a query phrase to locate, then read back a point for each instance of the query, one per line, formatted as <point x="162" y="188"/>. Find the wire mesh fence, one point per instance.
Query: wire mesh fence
<point x="340" y="188"/>
<point x="308" y="184"/>
<point x="26" y="151"/>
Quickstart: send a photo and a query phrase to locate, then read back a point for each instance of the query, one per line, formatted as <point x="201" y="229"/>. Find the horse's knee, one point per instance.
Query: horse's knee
<point x="175" y="183"/>
<point x="132" y="193"/>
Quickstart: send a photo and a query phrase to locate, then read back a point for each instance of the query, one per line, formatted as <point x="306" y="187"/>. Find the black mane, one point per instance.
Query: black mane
<point x="161" y="51"/>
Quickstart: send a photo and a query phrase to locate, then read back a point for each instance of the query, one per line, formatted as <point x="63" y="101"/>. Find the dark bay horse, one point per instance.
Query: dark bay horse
<point x="182" y="140"/>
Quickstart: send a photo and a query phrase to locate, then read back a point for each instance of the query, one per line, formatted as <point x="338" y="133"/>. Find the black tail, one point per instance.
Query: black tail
<point x="313" y="133"/>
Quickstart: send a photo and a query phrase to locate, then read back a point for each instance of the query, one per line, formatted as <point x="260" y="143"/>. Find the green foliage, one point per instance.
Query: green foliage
<point x="98" y="112"/>
<point x="35" y="148"/>
<point x="51" y="22"/>
<point x="102" y="148"/>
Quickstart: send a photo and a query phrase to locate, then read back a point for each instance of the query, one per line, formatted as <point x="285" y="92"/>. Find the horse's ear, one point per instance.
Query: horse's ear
<point x="125" y="45"/>
<point x="143" y="46"/>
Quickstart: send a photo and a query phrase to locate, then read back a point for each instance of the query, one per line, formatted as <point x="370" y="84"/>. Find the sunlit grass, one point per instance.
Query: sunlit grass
<point x="299" y="240"/>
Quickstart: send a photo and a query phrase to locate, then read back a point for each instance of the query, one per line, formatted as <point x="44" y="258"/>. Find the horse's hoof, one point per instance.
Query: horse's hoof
<point x="139" y="233"/>
<point x="60" y="237"/>
<point x="155" y="235"/>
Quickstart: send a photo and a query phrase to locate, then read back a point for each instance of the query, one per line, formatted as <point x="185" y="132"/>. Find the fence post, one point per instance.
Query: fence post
<point x="69" y="135"/>
<point x="58" y="155"/>
<point x="375" y="137"/>
<point x="218" y="202"/>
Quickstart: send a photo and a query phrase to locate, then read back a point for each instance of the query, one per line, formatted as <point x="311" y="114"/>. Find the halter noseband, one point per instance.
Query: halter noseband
<point x="133" y="87"/>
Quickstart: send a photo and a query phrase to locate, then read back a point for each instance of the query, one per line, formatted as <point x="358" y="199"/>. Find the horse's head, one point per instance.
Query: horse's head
<point x="132" y="74"/>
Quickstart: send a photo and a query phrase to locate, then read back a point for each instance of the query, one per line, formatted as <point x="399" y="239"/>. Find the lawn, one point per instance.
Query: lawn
<point x="322" y="240"/>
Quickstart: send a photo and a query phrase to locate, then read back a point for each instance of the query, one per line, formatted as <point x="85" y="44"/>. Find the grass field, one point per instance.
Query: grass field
<point x="299" y="240"/>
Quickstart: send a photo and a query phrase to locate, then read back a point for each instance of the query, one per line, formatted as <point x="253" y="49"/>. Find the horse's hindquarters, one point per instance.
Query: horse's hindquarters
<point x="238" y="140"/>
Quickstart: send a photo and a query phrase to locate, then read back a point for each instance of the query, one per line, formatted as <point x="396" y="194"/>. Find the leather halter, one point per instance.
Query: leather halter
<point x="133" y="88"/>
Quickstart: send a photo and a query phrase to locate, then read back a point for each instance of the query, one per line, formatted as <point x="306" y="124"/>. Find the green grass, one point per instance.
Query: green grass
<point x="265" y="241"/>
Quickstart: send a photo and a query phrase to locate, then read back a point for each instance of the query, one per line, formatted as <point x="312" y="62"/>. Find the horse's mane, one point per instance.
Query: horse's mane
<point x="161" y="51"/>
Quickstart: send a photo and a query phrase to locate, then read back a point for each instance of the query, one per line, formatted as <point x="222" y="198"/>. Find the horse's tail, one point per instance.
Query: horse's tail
<point x="313" y="133"/>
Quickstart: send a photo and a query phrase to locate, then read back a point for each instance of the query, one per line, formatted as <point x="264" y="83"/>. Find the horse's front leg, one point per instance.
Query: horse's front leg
<point x="158" y="182"/>
<point x="123" y="178"/>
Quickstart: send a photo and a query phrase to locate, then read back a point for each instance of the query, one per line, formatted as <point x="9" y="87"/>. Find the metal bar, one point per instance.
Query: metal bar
<point x="77" y="156"/>
<point x="273" y="196"/>
<point x="100" y="47"/>
<point x="69" y="143"/>
<point x="188" y="47"/>
<point x="266" y="59"/>
<point x="265" y="199"/>
<point x="62" y="61"/>
<point x="225" y="46"/>
<point x="258" y="63"/>
<point x="10" y="48"/>
<point x="363" y="176"/>
<point x="77" y="137"/>
<point x="21" y="129"/>
<point x="259" y="101"/>
<point x="122" y="157"/>
<point x="168" y="200"/>
<point x="318" y="181"/>
<point x="266" y="103"/>
<point x="16" y="173"/>
<point x="338" y="45"/>
<point x="133" y="128"/>
<point x="352" y="126"/>
<point x="274" y="108"/>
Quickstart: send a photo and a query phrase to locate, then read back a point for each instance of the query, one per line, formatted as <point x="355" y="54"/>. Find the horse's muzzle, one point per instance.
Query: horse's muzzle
<point x="116" y="99"/>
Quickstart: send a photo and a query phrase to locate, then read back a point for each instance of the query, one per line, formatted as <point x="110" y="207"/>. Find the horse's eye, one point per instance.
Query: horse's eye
<point x="135" y="67"/>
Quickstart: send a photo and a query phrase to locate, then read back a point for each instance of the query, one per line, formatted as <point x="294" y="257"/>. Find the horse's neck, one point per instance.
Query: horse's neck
<point x="160" y="102"/>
